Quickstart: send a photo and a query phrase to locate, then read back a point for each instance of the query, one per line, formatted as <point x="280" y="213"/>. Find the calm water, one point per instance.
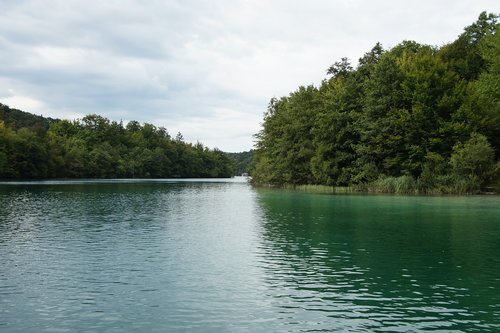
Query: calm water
<point x="160" y="256"/>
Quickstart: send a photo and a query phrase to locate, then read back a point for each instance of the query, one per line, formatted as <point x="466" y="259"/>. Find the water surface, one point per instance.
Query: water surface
<point x="220" y="256"/>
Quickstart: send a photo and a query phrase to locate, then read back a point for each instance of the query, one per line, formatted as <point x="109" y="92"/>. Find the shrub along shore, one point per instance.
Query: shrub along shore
<point x="390" y="185"/>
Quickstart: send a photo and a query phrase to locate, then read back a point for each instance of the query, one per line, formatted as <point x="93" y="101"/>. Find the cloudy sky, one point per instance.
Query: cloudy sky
<point x="205" y="68"/>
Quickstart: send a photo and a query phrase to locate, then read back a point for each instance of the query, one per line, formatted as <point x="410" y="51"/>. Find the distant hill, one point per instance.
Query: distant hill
<point x="17" y="119"/>
<point x="242" y="161"/>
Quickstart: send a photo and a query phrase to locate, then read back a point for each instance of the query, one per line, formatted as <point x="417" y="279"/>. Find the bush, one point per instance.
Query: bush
<point x="401" y="185"/>
<point x="405" y="184"/>
<point x="474" y="159"/>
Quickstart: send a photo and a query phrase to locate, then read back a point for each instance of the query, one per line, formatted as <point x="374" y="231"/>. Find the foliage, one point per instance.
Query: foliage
<point x="473" y="159"/>
<point x="18" y="119"/>
<point x="286" y="140"/>
<point x="95" y="147"/>
<point x="414" y="118"/>
<point x="400" y="185"/>
<point x="242" y="161"/>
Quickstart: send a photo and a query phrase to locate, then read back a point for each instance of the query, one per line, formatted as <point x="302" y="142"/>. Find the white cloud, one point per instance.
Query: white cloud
<point x="227" y="127"/>
<point x="26" y="103"/>
<point x="207" y="69"/>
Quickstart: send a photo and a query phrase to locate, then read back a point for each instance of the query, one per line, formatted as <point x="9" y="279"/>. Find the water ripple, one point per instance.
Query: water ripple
<point x="222" y="257"/>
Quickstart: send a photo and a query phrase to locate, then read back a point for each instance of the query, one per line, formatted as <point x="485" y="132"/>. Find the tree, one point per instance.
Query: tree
<point x="379" y="142"/>
<point x="488" y="89"/>
<point x="6" y="136"/>
<point x="28" y="156"/>
<point x="340" y="68"/>
<point x="99" y="148"/>
<point x="133" y="126"/>
<point x="400" y="116"/>
<point x="334" y="131"/>
<point x="76" y="158"/>
<point x="473" y="159"/>
<point x="286" y="140"/>
<point x="463" y="54"/>
<point x="373" y="56"/>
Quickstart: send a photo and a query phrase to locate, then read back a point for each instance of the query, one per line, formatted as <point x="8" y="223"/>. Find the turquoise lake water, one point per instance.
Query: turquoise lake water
<point x="221" y="256"/>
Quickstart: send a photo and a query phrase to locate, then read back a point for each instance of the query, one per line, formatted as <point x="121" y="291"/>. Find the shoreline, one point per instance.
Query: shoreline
<point x="371" y="189"/>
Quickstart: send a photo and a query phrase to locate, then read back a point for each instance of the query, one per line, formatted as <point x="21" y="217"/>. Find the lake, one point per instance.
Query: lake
<point x="221" y="256"/>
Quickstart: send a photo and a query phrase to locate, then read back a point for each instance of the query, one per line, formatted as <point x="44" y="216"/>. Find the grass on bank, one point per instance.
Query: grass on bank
<point x="446" y="184"/>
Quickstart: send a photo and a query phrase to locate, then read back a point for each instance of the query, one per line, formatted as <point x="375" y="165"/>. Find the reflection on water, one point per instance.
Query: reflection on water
<point x="382" y="263"/>
<point x="222" y="257"/>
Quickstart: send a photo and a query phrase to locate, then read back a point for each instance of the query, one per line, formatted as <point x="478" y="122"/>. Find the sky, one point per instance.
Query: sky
<point x="207" y="69"/>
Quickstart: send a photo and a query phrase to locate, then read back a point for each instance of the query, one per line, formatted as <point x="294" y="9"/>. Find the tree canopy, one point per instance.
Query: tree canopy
<point x="400" y="112"/>
<point x="95" y="147"/>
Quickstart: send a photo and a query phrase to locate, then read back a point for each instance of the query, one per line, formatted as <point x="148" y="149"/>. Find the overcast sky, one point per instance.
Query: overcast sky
<point x="205" y="68"/>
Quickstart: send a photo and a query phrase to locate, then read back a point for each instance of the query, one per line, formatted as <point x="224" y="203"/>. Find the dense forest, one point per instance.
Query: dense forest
<point x="414" y="118"/>
<point x="94" y="147"/>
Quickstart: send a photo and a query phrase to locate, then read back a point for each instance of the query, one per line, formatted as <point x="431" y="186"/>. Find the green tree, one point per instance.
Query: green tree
<point x="28" y="157"/>
<point x="397" y="120"/>
<point x="473" y="159"/>
<point x="334" y="131"/>
<point x="380" y="140"/>
<point x="6" y="137"/>
<point x="76" y="158"/>
<point x="487" y="89"/>
<point x="286" y="141"/>
<point x="463" y="54"/>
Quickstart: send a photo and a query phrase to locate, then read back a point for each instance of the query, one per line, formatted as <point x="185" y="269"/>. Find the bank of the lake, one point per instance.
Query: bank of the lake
<point x="374" y="189"/>
<point x="219" y="255"/>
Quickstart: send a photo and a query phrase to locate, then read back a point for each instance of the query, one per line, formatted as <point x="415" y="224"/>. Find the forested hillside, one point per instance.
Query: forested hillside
<point x="243" y="161"/>
<point x="95" y="147"/>
<point x="15" y="119"/>
<point x="414" y="118"/>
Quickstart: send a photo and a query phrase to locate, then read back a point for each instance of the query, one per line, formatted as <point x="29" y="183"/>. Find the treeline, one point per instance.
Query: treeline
<point x="414" y="118"/>
<point x="95" y="147"/>
<point x="16" y="119"/>
<point x="243" y="161"/>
